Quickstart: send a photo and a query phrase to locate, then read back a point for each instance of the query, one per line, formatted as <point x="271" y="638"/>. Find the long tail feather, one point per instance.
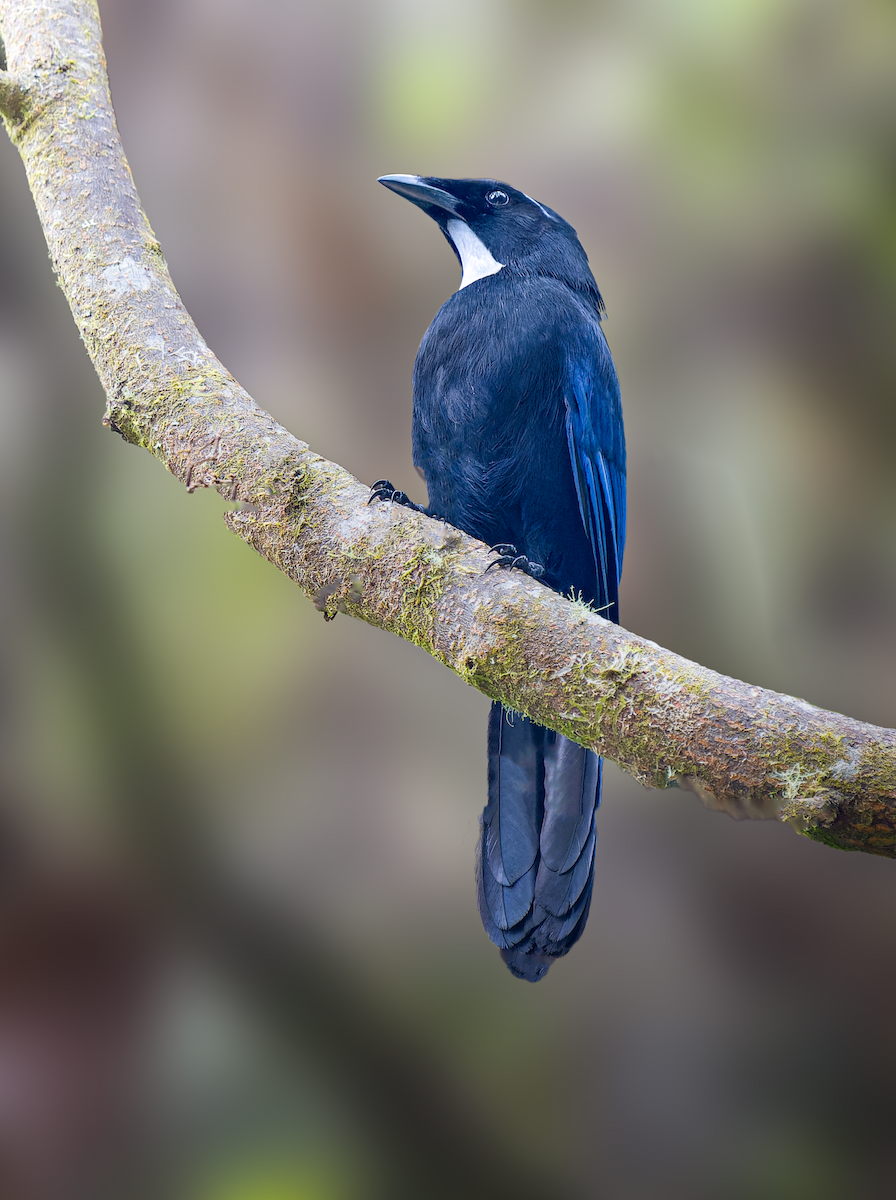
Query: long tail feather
<point x="535" y="867"/>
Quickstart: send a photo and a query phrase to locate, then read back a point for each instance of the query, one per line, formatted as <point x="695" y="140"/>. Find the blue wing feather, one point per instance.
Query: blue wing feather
<point x="597" y="456"/>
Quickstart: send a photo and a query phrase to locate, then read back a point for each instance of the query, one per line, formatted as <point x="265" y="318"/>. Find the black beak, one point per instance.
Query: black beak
<point x="420" y="191"/>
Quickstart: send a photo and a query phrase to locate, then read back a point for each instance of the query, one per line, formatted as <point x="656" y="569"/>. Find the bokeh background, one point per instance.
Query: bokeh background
<point x="724" y="1028"/>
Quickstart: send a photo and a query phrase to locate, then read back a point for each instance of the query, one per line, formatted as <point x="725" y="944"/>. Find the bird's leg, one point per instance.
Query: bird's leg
<point x="384" y="490"/>
<point x="508" y="558"/>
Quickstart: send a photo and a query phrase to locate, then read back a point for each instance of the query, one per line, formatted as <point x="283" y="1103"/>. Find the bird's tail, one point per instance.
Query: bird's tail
<point x="535" y="865"/>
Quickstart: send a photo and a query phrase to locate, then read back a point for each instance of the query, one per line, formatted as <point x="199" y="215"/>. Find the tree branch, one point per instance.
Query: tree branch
<point x="669" y="722"/>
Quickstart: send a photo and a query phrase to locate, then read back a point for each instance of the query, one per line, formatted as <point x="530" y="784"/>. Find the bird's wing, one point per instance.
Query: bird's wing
<point x="597" y="453"/>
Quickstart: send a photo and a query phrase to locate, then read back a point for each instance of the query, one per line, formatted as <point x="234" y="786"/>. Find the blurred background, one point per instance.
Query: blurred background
<point x="240" y="957"/>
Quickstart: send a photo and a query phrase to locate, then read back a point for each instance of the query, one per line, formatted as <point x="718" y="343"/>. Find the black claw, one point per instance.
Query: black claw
<point x="381" y="490"/>
<point x="508" y="559"/>
<point x="384" y="490"/>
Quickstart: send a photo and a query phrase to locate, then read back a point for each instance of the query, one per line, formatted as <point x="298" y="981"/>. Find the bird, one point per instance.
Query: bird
<point x="517" y="430"/>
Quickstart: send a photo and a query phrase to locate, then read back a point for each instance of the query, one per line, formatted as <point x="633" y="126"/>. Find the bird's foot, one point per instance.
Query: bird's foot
<point x="508" y="558"/>
<point x="384" y="490"/>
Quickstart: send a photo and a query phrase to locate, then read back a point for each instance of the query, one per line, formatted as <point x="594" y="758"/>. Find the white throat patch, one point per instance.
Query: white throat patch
<point x="476" y="259"/>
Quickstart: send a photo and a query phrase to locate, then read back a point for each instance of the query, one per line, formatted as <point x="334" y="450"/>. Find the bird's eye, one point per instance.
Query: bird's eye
<point x="497" y="198"/>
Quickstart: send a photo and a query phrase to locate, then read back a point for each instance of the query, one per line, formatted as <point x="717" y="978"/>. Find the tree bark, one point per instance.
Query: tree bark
<point x="667" y="721"/>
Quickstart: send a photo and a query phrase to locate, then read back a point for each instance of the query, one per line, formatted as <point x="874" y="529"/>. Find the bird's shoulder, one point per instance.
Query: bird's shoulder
<point x="505" y="316"/>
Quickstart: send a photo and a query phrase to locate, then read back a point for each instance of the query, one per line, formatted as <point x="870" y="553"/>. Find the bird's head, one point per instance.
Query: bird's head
<point x="491" y="227"/>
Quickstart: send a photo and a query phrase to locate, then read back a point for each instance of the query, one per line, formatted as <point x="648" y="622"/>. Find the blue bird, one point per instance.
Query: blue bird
<point x="518" y="432"/>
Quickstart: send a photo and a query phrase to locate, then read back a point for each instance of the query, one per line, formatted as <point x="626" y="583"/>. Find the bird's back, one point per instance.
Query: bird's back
<point x="490" y="419"/>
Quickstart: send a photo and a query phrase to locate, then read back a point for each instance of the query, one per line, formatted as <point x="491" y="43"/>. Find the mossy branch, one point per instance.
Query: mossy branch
<point x="669" y="722"/>
<point x="12" y="97"/>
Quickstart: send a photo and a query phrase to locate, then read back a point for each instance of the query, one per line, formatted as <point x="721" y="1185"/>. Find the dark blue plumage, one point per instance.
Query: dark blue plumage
<point x="518" y="432"/>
